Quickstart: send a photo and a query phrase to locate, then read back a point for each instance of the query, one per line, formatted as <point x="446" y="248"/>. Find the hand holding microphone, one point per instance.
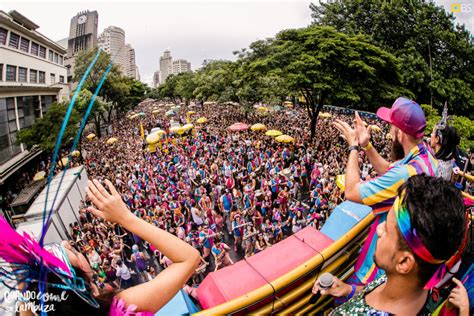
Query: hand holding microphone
<point x="329" y="284"/>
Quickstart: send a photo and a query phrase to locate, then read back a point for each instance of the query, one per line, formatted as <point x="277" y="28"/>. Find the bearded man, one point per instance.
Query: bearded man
<point x="410" y="157"/>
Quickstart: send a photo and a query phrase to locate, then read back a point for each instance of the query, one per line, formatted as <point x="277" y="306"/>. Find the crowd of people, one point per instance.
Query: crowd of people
<point x="160" y="215"/>
<point x="229" y="194"/>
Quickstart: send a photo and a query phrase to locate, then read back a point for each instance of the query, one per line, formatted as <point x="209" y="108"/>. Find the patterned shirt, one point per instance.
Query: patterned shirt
<point x="380" y="193"/>
<point x="358" y="306"/>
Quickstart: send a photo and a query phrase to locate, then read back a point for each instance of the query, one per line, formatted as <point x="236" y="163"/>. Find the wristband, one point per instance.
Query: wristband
<point x="352" y="292"/>
<point x="351" y="148"/>
<point x="369" y="146"/>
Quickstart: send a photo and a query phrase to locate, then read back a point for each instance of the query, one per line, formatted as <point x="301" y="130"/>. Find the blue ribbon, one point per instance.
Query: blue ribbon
<point x="58" y="143"/>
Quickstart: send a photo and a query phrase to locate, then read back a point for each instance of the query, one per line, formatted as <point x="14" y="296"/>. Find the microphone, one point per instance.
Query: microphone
<point x="326" y="280"/>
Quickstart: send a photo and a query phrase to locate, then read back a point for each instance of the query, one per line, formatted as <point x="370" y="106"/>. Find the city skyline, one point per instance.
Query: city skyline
<point x="193" y="30"/>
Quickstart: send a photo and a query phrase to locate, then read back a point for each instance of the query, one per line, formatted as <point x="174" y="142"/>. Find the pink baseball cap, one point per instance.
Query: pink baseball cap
<point x="405" y="114"/>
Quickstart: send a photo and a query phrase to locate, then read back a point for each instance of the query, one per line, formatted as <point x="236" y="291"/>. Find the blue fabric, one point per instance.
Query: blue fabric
<point x="180" y="304"/>
<point x="345" y="216"/>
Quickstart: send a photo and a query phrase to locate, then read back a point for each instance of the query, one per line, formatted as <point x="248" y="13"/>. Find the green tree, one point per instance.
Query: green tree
<point x="98" y="110"/>
<point x="185" y="86"/>
<point x="436" y="55"/>
<point x="215" y="82"/>
<point x="167" y="90"/>
<point x="117" y="95"/>
<point x="45" y="130"/>
<point x="326" y="66"/>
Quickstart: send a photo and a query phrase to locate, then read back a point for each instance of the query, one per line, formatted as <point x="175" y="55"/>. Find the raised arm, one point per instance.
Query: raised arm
<point x="380" y="165"/>
<point x="152" y="295"/>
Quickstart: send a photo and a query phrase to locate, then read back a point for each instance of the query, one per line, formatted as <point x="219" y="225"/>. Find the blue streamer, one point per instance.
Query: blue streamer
<point x="78" y="135"/>
<point x="58" y="142"/>
<point x="43" y="274"/>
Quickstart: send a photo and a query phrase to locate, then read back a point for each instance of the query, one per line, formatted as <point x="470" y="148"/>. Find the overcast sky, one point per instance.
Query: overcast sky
<point x="194" y="30"/>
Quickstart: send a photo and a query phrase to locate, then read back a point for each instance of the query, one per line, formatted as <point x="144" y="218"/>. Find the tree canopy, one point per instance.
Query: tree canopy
<point x="117" y="95"/>
<point x="437" y="56"/>
<point x="45" y="130"/>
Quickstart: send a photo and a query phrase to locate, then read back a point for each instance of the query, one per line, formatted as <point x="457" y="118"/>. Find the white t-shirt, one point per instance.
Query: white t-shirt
<point x="123" y="272"/>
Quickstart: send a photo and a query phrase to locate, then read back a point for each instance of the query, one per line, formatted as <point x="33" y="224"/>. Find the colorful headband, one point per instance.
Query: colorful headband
<point x="415" y="243"/>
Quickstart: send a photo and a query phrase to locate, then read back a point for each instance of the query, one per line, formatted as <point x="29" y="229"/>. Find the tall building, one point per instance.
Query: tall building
<point x="180" y="66"/>
<point x="156" y="79"/>
<point x="165" y="65"/>
<point x="132" y="69"/>
<point x="112" y="41"/>
<point x="82" y="36"/>
<point x="32" y="77"/>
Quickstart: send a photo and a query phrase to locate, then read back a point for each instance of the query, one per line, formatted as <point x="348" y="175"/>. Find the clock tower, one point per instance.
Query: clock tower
<point x="83" y="32"/>
<point x="82" y="36"/>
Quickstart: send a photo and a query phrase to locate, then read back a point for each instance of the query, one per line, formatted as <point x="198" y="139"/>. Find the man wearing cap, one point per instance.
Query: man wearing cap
<point x="410" y="157"/>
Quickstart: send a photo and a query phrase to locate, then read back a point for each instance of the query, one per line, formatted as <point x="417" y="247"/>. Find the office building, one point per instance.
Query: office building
<point x="32" y="77"/>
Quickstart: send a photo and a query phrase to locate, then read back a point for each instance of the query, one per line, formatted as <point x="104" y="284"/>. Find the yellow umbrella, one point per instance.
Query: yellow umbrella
<point x="159" y="132"/>
<point x="201" y="120"/>
<point x="341" y="181"/>
<point x="39" y="176"/>
<point x="153" y="138"/>
<point x="112" y="140"/>
<point x="258" y="127"/>
<point x="273" y="132"/>
<point x="262" y="109"/>
<point x="191" y="112"/>
<point x="177" y="129"/>
<point x="133" y="116"/>
<point x="285" y="139"/>
<point x="64" y="161"/>
<point x="155" y="111"/>
<point x="324" y="114"/>
<point x="188" y="127"/>
<point x="75" y="153"/>
<point x="91" y="136"/>
<point x="375" y="128"/>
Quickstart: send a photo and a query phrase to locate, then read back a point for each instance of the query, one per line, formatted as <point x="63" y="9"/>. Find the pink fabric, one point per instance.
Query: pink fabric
<point x="119" y="308"/>
<point x="15" y="248"/>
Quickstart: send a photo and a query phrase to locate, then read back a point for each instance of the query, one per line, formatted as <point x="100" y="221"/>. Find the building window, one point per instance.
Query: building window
<point x="41" y="77"/>
<point x="34" y="48"/>
<point x="46" y="102"/>
<point x="61" y="60"/>
<point x="28" y="110"/>
<point x="61" y="79"/>
<point x="37" y="107"/>
<point x="22" y="74"/>
<point x="8" y="129"/>
<point x="53" y="78"/>
<point x="3" y="36"/>
<point x="56" y="56"/>
<point x="33" y="76"/>
<point x="1" y="72"/>
<point x="11" y="73"/>
<point x="24" y="44"/>
<point x="50" y="55"/>
<point x="42" y="52"/>
<point x="14" y="40"/>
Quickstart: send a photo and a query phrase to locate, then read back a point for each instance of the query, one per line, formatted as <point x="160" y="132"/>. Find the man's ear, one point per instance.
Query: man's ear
<point x="405" y="263"/>
<point x="400" y="135"/>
